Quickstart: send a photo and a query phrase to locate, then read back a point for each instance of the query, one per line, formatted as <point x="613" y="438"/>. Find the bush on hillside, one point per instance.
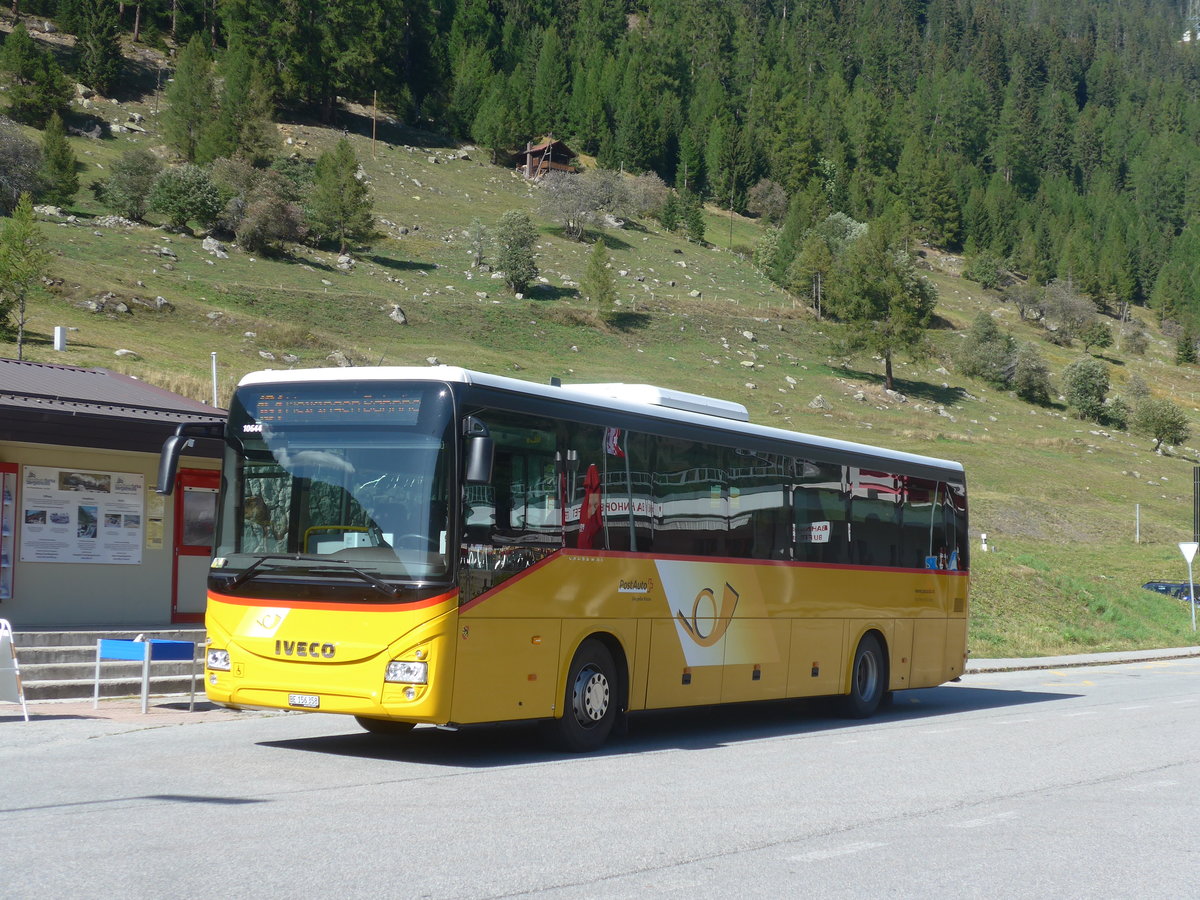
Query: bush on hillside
<point x="988" y="353"/>
<point x="1031" y="376"/>
<point x="184" y="194"/>
<point x="1085" y="385"/>
<point x="126" y="190"/>
<point x="20" y="166"/>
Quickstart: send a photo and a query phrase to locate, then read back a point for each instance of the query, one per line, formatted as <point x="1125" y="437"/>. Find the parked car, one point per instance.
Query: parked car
<point x="1176" y="589"/>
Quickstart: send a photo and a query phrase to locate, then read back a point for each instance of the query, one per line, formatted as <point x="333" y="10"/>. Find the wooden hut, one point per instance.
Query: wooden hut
<point x="549" y="156"/>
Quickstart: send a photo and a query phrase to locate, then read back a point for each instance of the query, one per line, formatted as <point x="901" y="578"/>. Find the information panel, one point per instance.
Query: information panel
<point x="76" y="516"/>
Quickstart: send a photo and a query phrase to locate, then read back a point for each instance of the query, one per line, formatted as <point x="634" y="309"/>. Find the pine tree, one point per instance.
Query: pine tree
<point x="59" y="165"/>
<point x="37" y="86"/>
<point x="98" y="45"/>
<point x="877" y="292"/>
<point x="693" y="216"/>
<point x="515" y="237"/>
<point x="598" y="284"/>
<point x="669" y="214"/>
<point x="190" y="101"/>
<point x="24" y="261"/>
<point x="242" y="123"/>
<point x="339" y="207"/>
<point x="496" y="125"/>
<point x="550" y="86"/>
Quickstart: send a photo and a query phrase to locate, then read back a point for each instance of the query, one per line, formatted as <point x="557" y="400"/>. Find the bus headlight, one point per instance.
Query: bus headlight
<point x="404" y="672"/>
<point x="218" y="659"/>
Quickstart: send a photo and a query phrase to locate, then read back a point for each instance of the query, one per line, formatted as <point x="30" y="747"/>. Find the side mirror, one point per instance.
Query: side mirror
<point x="480" y="451"/>
<point x="185" y="436"/>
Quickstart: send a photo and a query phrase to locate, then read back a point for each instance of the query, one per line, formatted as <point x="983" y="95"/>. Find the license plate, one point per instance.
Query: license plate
<point x="306" y="701"/>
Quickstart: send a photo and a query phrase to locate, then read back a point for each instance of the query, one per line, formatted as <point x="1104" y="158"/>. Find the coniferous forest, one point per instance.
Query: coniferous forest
<point x="1058" y="138"/>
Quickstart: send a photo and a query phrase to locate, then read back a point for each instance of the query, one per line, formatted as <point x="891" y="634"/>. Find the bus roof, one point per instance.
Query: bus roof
<point x="640" y="399"/>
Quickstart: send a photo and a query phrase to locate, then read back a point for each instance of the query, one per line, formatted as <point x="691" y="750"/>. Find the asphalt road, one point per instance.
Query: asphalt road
<point x="1079" y="782"/>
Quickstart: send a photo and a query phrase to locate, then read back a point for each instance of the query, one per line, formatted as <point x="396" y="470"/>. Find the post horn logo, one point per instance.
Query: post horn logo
<point x="721" y="620"/>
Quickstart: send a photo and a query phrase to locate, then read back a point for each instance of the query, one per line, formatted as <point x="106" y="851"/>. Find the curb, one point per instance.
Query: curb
<point x="983" y="666"/>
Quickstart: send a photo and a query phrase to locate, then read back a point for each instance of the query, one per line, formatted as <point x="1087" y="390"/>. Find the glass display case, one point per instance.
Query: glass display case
<point x="8" y="527"/>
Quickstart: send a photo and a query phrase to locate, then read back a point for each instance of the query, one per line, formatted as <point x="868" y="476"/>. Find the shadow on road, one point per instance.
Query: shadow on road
<point x="703" y="728"/>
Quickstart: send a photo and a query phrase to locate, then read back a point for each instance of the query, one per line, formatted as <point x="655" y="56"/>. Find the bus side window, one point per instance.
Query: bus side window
<point x="924" y="539"/>
<point x="959" y="543"/>
<point x="515" y="520"/>
<point x="819" y="507"/>
<point x="875" y="518"/>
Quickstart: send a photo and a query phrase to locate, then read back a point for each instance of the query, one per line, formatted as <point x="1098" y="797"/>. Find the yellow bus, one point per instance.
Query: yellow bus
<point x="441" y="546"/>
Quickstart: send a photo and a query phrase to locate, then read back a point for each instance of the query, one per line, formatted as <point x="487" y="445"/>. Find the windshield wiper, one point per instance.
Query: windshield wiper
<point x="251" y="571"/>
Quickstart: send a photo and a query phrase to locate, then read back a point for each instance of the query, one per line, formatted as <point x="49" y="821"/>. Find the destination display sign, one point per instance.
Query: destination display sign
<point x="346" y="407"/>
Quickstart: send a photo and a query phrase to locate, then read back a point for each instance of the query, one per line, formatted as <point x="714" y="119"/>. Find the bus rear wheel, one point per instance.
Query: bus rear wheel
<point x="590" y="702"/>
<point x="868" y="679"/>
<point x="384" y="727"/>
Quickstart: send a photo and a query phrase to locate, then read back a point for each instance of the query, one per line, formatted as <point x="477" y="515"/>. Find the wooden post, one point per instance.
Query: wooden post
<point x="374" y="111"/>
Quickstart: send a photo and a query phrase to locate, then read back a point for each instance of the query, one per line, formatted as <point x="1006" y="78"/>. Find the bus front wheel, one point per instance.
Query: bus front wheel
<point x="385" y="727"/>
<point x="590" y="702"/>
<point x="868" y="679"/>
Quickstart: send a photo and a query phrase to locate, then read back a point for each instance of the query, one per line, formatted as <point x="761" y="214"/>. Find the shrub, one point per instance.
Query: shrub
<point x="185" y="193"/>
<point x="1161" y="420"/>
<point x="20" y="165"/>
<point x="985" y="268"/>
<point x="515" y="237"/>
<point x="988" y="353"/>
<point x="1085" y="385"/>
<point x="1031" y="376"/>
<point x="126" y="191"/>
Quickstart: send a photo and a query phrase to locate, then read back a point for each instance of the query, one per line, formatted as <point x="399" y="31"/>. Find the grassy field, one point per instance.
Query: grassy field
<point x="1059" y="499"/>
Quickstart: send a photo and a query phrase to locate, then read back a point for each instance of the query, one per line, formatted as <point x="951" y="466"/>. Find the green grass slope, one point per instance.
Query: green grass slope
<point x="1058" y="498"/>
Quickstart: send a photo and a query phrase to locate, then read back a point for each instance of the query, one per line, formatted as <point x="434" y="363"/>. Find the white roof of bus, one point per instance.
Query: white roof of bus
<point x="642" y="399"/>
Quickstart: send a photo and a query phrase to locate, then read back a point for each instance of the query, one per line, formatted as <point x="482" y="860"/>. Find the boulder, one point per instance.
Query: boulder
<point x="397" y="315"/>
<point x="819" y="402"/>
<point x="215" y="247"/>
<point x="338" y="358"/>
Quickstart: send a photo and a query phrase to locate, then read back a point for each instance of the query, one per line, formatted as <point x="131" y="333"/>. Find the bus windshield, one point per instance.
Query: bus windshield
<point x="345" y="483"/>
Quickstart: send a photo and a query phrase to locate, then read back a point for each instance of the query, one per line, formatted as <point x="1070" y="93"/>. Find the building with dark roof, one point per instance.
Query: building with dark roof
<point x="84" y="537"/>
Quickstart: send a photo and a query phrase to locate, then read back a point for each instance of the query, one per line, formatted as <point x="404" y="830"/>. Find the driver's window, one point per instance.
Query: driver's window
<point x="516" y="519"/>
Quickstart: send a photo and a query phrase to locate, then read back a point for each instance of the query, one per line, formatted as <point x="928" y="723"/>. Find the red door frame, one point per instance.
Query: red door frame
<point x="195" y="478"/>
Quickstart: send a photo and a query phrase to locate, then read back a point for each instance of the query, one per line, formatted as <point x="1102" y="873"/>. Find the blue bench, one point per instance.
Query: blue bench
<point x="153" y="650"/>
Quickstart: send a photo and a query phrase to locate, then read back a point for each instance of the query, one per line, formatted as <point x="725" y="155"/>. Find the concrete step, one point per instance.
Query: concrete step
<point x="61" y="664"/>
<point x="77" y="637"/>
<point x="110" y="687"/>
<point x="109" y="668"/>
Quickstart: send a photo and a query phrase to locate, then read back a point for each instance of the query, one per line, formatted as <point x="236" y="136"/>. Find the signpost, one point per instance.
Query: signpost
<point x="1188" y="549"/>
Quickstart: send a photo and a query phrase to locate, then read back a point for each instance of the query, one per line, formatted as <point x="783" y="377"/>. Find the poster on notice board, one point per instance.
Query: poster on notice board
<point x="78" y="516"/>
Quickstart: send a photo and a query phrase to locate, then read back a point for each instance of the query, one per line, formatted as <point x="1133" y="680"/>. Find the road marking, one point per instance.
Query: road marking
<point x="982" y="823"/>
<point x="1010" y="721"/>
<point x="1183" y="702"/>
<point x="1143" y="706"/>
<point x="1149" y="786"/>
<point x="1086" y="712"/>
<point x="833" y="852"/>
<point x="1084" y="683"/>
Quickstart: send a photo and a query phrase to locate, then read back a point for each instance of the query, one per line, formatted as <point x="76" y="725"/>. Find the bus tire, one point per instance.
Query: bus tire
<point x="590" y="702"/>
<point x="384" y="727"/>
<point x="868" y="679"/>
